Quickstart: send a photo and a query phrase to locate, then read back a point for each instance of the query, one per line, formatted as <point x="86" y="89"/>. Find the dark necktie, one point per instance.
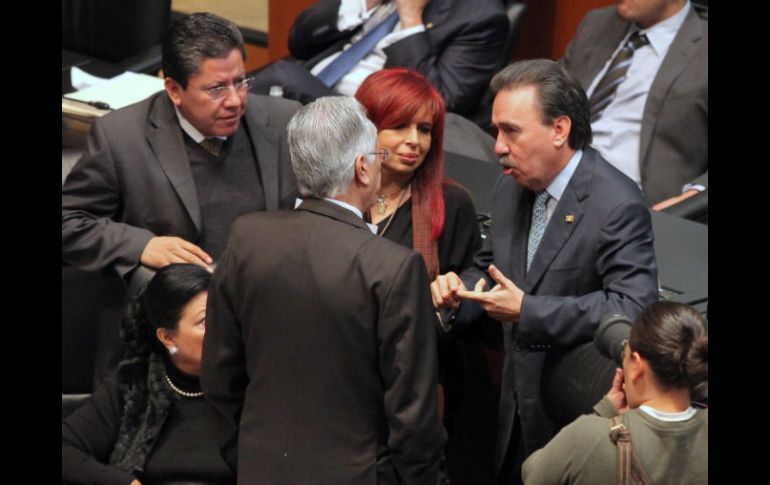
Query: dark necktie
<point x="212" y="145"/>
<point x="348" y="59"/>
<point x="537" y="228"/>
<point x="615" y="75"/>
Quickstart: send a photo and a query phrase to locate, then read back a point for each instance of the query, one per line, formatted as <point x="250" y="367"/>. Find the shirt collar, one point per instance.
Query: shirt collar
<point x="353" y="209"/>
<point x="662" y="34"/>
<point x="192" y="131"/>
<point x="558" y="185"/>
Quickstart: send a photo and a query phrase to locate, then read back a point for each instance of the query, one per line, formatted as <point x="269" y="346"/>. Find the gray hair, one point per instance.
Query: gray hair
<point x="558" y="92"/>
<point x="325" y="137"/>
<point x="195" y="38"/>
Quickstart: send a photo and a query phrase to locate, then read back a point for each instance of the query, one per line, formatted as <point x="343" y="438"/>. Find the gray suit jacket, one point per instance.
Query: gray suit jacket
<point x="673" y="147"/>
<point x="596" y="256"/>
<point x="134" y="181"/>
<point x="320" y="353"/>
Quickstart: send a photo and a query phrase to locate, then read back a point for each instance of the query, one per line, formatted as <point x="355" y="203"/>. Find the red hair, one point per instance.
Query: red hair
<point x="392" y="97"/>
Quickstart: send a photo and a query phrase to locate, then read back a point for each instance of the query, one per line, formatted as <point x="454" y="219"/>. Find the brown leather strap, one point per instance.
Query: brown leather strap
<point x="630" y="470"/>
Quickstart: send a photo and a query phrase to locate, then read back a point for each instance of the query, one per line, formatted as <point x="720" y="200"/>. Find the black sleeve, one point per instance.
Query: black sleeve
<point x="461" y="238"/>
<point x="88" y="437"/>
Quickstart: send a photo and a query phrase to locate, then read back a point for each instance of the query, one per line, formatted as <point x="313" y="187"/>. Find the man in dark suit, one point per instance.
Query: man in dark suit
<point x="655" y="127"/>
<point x="161" y="181"/>
<point x="455" y="44"/>
<point x="571" y="239"/>
<point x="319" y="358"/>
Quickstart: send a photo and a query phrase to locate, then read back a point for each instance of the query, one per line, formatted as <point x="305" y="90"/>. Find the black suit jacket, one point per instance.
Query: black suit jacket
<point x="596" y="256"/>
<point x="458" y="53"/>
<point x="673" y="143"/>
<point x="320" y="353"/>
<point x="134" y="181"/>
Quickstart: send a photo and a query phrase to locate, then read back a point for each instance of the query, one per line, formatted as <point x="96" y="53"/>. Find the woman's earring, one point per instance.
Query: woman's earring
<point x="173" y="351"/>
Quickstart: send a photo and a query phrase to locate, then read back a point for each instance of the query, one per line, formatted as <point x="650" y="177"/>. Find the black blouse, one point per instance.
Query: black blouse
<point x="460" y="238"/>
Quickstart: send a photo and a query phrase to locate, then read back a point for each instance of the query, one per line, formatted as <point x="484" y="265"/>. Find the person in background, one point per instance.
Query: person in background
<point x="571" y="240"/>
<point x="664" y="359"/>
<point x="644" y="66"/>
<point x="161" y="181"/>
<point x="320" y="353"/>
<point x="417" y="206"/>
<point x="455" y="44"/>
<point x="148" y="425"/>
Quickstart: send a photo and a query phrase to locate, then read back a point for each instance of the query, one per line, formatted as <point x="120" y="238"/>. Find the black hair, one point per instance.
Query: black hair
<point x="558" y="92"/>
<point x="673" y="338"/>
<point x="195" y="38"/>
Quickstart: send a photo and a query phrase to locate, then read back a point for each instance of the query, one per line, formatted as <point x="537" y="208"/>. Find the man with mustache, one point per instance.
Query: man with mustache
<point x="161" y="181"/>
<point x="571" y="239"/>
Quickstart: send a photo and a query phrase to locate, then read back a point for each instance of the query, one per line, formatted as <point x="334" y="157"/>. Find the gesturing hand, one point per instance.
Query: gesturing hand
<point x="502" y="302"/>
<point x="444" y="289"/>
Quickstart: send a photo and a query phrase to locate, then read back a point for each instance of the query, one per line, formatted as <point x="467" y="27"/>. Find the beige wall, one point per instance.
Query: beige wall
<point x="250" y="14"/>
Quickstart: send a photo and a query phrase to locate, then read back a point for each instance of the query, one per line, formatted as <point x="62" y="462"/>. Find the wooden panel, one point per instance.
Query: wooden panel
<point x="251" y="14"/>
<point x="537" y="32"/>
<point x="256" y="57"/>
<point x="281" y="15"/>
<point x="568" y="15"/>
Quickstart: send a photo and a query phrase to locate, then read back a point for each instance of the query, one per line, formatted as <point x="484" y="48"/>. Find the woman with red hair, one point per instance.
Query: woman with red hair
<point x="417" y="206"/>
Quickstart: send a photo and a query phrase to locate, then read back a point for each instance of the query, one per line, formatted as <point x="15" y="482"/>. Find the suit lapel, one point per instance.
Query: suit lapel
<point x="264" y="137"/>
<point x="682" y="49"/>
<point x="165" y="137"/>
<point x="565" y="219"/>
<point x="604" y="44"/>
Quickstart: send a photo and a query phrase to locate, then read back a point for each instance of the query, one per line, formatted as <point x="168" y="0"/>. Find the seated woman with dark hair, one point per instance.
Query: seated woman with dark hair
<point x="148" y="425"/>
<point x="664" y="359"/>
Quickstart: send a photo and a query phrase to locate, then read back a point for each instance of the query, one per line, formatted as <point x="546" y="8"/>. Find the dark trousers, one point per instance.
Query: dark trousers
<point x="510" y="472"/>
<point x="295" y="80"/>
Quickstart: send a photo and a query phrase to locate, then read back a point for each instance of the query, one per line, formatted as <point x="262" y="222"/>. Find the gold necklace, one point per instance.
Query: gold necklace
<point x="382" y="206"/>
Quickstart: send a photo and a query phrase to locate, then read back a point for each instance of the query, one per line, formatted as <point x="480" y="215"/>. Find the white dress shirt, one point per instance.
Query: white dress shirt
<point x="616" y="133"/>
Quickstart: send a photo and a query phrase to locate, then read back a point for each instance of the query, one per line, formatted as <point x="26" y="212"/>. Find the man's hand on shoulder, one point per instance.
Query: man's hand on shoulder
<point x="164" y="250"/>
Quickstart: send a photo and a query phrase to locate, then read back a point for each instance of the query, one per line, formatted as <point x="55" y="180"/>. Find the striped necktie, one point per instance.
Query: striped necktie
<point x="615" y="75"/>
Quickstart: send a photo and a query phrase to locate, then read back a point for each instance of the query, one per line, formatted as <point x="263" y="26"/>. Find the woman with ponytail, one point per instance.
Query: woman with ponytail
<point x="664" y="360"/>
<point x="148" y="425"/>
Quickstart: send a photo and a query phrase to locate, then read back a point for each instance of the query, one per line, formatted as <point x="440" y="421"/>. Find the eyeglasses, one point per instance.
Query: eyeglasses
<point x="219" y="92"/>
<point x="381" y="152"/>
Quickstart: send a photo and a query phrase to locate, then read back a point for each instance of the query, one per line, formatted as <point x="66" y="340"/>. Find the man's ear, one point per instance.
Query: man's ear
<point x="562" y="126"/>
<point x="173" y="89"/>
<point x="363" y="170"/>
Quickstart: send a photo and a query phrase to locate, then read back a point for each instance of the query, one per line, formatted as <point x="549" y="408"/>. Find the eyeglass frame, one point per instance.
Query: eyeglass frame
<point x="381" y="151"/>
<point x="220" y="91"/>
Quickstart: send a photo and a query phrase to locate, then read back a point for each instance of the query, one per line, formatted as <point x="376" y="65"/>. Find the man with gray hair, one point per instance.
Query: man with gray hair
<point x="320" y="353"/>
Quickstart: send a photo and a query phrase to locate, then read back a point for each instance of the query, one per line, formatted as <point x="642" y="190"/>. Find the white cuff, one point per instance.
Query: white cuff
<point x="399" y="34"/>
<point x="352" y="13"/>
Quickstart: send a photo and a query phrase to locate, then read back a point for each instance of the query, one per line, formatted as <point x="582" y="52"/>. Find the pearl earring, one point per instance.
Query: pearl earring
<point x="173" y="351"/>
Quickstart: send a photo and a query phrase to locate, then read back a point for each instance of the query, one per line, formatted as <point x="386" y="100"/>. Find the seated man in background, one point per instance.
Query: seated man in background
<point x="455" y="44"/>
<point x="320" y="350"/>
<point x="644" y="65"/>
<point x="162" y="180"/>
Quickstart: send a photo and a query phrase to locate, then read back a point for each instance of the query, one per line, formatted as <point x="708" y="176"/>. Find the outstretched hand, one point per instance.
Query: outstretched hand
<point x="616" y="394"/>
<point x="502" y="302"/>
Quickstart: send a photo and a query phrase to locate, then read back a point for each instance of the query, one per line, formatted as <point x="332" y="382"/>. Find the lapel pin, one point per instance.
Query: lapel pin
<point x="569" y="218"/>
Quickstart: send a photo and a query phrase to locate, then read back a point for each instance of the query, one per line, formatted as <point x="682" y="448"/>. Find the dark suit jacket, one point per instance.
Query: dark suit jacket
<point x="320" y="353"/>
<point x="458" y="53"/>
<point x="673" y="147"/>
<point x="600" y="262"/>
<point x="134" y="181"/>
